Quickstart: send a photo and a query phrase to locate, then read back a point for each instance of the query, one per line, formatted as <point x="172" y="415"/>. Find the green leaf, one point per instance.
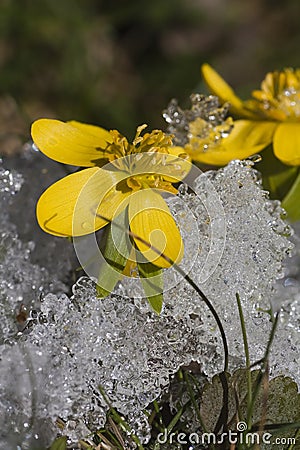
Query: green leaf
<point x="279" y="184"/>
<point x="59" y="444"/>
<point x="116" y="253"/>
<point x="152" y="281"/>
<point x="282" y="406"/>
<point x="277" y="177"/>
<point x="291" y="202"/>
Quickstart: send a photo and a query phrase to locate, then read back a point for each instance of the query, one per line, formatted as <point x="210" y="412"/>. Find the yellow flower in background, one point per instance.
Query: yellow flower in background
<point x="219" y="145"/>
<point x="273" y="110"/>
<point x="119" y="176"/>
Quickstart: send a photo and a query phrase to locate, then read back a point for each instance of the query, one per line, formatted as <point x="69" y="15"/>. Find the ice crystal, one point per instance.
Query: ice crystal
<point x="10" y="184"/>
<point x="205" y="123"/>
<point x="38" y="172"/>
<point x="22" y="284"/>
<point x="77" y="346"/>
<point x="21" y="281"/>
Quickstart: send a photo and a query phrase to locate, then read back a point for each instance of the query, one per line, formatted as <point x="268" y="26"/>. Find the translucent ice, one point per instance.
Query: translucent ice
<point x="120" y="345"/>
<point x="22" y="283"/>
<point x="38" y="172"/>
<point x="203" y="126"/>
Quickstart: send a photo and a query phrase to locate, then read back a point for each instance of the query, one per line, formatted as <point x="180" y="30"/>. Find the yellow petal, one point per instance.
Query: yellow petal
<point x="70" y="206"/>
<point x="221" y="89"/>
<point x="178" y="151"/>
<point x="287" y="143"/>
<point x="151" y="220"/>
<point x="70" y="143"/>
<point x="180" y="166"/>
<point x="246" y="138"/>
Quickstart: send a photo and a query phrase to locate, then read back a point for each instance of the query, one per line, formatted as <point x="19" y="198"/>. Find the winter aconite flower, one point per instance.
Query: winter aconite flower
<point x="274" y="110"/>
<point x="120" y="176"/>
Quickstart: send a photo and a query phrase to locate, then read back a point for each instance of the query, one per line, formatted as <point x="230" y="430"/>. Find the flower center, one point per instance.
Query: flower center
<point x="156" y="141"/>
<point x="148" y="160"/>
<point x="279" y="97"/>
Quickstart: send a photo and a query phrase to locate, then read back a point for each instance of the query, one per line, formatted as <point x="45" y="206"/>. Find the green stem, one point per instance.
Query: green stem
<point x="264" y="364"/>
<point x="155" y="418"/>
<point x="119" y="420"/>
<point x="297" y="434"/>
<point x="193" y="400"/>
<point x="170" y="427"/>
<point x="114" y="440"/>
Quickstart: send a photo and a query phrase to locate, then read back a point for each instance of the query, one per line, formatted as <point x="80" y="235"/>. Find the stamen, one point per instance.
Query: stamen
<point x="279" y="97"/>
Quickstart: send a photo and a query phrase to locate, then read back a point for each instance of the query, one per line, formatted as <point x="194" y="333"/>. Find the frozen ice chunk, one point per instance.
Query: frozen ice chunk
<point x="122" y="346"/>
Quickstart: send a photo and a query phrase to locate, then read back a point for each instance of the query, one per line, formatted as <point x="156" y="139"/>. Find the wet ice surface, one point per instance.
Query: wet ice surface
<point x="74" y="344"/>
<point x="22" y="283"/>
<point x="38" y="171"/>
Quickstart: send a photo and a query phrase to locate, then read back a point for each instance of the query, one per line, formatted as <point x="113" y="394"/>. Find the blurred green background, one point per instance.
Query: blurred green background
<point x="117" y="63"/>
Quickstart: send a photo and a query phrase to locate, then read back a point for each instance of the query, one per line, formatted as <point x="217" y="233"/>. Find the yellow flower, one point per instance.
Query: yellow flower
<point x="209" y="136"/>
<point x="119" y="176"/>
<point x="273" y="110"/>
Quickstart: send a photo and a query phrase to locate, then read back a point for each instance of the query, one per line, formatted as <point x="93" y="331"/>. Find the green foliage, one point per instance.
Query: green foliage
<point x="94" y="61"/>
<point x="282" y="181"/>
<point x="152" y="282"/>
<point x="118" y="63"/>
<point x="275" y="410"/>
<point x="291" y="202"/>
<point x="278" y="178"/>
<point x="59" y="444"/>
<point x="116" y="253"/>
<point x="117" y="250"/>
<point x="276" y="402"/>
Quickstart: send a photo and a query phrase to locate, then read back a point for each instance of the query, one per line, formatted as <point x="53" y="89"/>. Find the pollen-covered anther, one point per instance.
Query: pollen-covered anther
<point x="279" y="96"/>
